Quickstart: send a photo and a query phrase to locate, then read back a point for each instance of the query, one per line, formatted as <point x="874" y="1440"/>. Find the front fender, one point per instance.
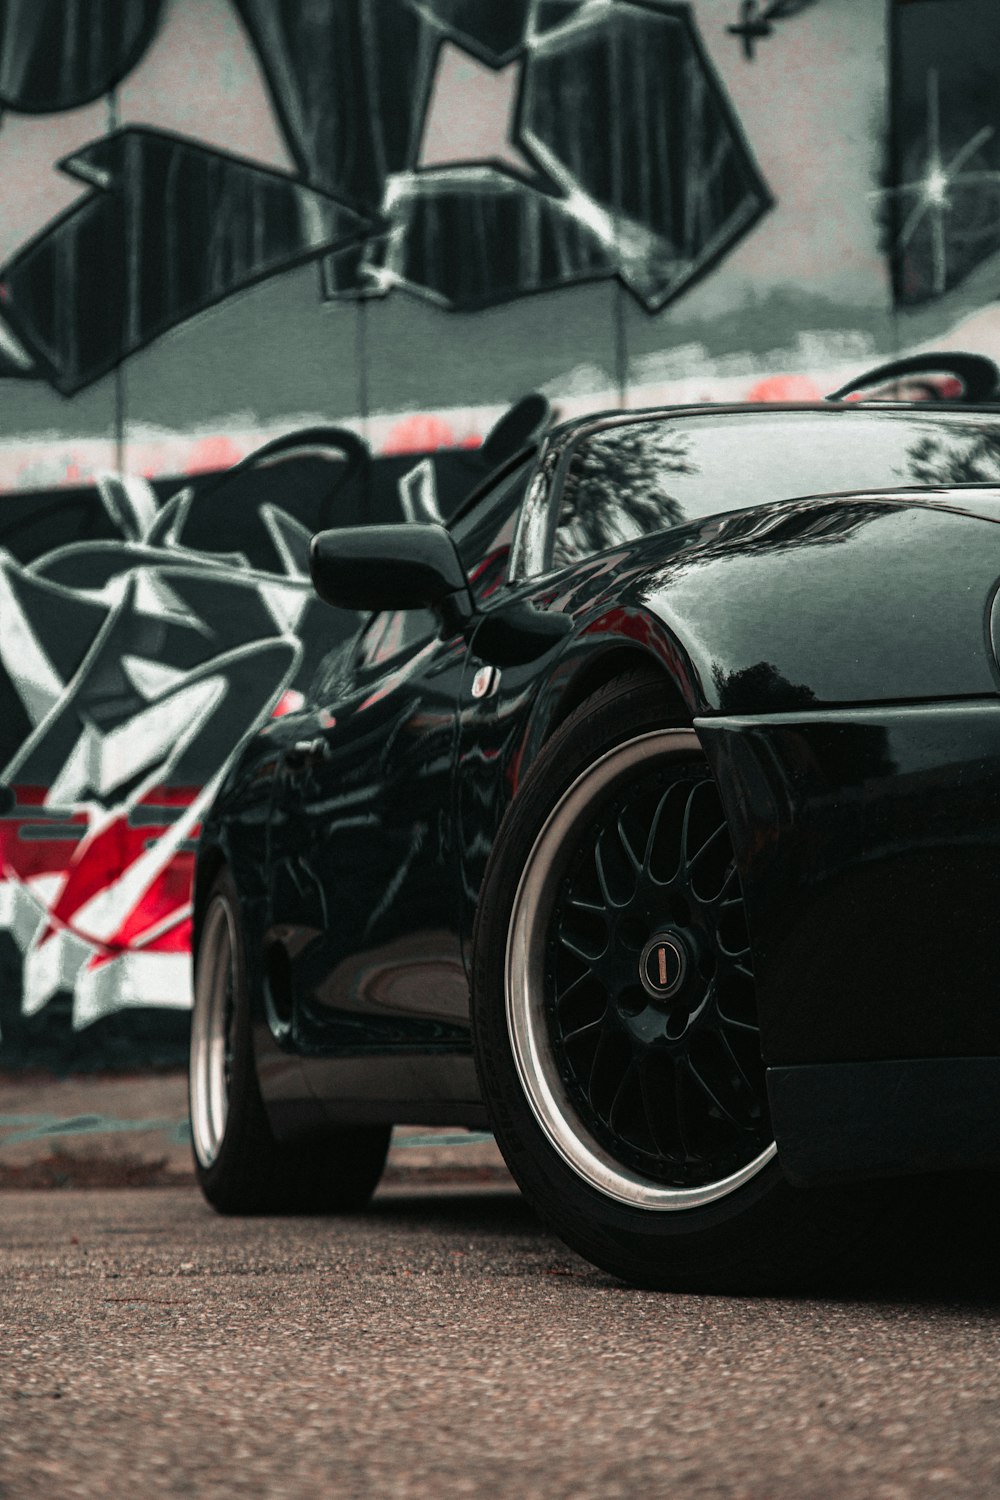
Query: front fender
<point x="838" y="602"/>
<point x="809" y="604"/>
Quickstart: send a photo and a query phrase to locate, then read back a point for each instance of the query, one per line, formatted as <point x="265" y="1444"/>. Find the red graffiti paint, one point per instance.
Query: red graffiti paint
<point x="289" y="703"/>
<point x="219" y="452"/>
<point x="785" y="388"/>
<point x="175" y="939"/>
<point x="167" y="898"/>
<point x="158" y="918"/>
<point x="423" y="433"/>
<point x="23" y="857"/>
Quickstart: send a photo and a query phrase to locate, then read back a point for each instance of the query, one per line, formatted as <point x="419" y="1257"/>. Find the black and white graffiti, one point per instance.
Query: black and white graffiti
<point x="758" y="18"/>
<point x="210" y="225"/>
<point x="144" y="630"/>
<point x="61" y="54"/>
<point x="469" y="153"/>
<point x="132" y="667"/>
<point x="942" y="202"/>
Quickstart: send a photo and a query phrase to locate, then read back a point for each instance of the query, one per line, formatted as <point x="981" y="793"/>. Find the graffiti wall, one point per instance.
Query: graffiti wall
<point x="269" y="267"/>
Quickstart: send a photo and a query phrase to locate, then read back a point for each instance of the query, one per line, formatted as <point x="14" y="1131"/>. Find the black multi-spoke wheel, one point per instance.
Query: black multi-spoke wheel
<point x="647" y="973"/>
<point x="629" y="983"/>
<point x="240" y="1165"/>
<point x="615" y="1015"/>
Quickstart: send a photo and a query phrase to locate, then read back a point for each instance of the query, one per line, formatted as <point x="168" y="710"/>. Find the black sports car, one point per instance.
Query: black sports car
<point x="652" y="818"/>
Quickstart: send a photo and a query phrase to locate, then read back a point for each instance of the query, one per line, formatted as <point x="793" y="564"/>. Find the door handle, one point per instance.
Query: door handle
<point x="305" y="753"/>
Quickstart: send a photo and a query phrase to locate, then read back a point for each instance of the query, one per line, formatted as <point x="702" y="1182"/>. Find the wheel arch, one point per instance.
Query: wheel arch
<point x="611" y="643"/>
<point x="615" y="661"/>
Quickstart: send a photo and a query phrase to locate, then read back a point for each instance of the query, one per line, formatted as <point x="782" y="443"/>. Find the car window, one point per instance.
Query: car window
<point x="635" y="478"/>
<point x="484" y="534"/>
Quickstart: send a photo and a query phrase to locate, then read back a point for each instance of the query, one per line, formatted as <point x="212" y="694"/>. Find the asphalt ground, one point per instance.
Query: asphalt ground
<point x="131" y="1130"/>
<point x="444" y="1344"/>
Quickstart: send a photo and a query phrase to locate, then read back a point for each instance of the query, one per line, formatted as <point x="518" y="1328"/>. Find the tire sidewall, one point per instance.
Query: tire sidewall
<point x="246" y="1124"/>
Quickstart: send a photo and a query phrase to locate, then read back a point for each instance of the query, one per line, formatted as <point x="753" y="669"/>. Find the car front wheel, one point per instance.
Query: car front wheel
<point x="614" y="1010"/>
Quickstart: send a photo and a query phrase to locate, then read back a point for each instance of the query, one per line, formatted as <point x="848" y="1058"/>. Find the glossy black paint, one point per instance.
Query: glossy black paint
<point x="387" y="567"/>
<point x="833" y="652"/>
<point x="886" y="1119"/>
<point x="360" y="853"/>
<point x="518" y="633"/>
<point x="868" y="840"/>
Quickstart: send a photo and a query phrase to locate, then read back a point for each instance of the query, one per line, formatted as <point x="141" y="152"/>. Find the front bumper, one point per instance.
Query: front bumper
<point x="868" y="842"/>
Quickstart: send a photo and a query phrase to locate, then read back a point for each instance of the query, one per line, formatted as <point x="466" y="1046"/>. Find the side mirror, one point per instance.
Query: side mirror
<point x="391" y="567"/>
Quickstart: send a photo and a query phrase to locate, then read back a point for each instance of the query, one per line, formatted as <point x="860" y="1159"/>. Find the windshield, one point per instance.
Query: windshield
<point x="635" y="478"/>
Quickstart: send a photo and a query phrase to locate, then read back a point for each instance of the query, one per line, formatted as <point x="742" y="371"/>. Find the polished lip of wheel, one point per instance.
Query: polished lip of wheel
<point x="211" y="1032"/>
<point x="524" y="988"/>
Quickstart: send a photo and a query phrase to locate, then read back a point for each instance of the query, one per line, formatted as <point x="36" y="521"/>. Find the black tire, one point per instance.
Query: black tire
<point x="240" y="1166"/>
<point x="633" y="1112"/>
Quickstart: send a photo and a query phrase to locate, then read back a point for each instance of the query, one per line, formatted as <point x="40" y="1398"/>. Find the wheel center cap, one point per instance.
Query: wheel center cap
<point x="663" y="965"/>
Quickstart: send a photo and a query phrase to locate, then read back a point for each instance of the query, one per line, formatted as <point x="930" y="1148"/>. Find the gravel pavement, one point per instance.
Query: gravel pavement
<point x="444" y="1344"/>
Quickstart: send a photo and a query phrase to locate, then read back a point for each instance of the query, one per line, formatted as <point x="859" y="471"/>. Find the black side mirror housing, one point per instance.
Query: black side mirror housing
<point x="391" y="567"/>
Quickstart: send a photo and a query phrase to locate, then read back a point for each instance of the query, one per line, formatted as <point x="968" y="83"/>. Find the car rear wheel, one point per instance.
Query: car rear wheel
<point x="240" y="1165"/>
<point x="614" y="1010"/>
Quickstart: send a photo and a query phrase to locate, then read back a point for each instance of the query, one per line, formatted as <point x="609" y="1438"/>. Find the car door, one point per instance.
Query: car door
<point x="365" y="930"/>
<point x="363" y="893"/>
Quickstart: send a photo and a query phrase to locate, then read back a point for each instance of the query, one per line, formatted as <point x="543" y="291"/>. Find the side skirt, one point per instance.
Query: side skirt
<point x="405" y="1088"/>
